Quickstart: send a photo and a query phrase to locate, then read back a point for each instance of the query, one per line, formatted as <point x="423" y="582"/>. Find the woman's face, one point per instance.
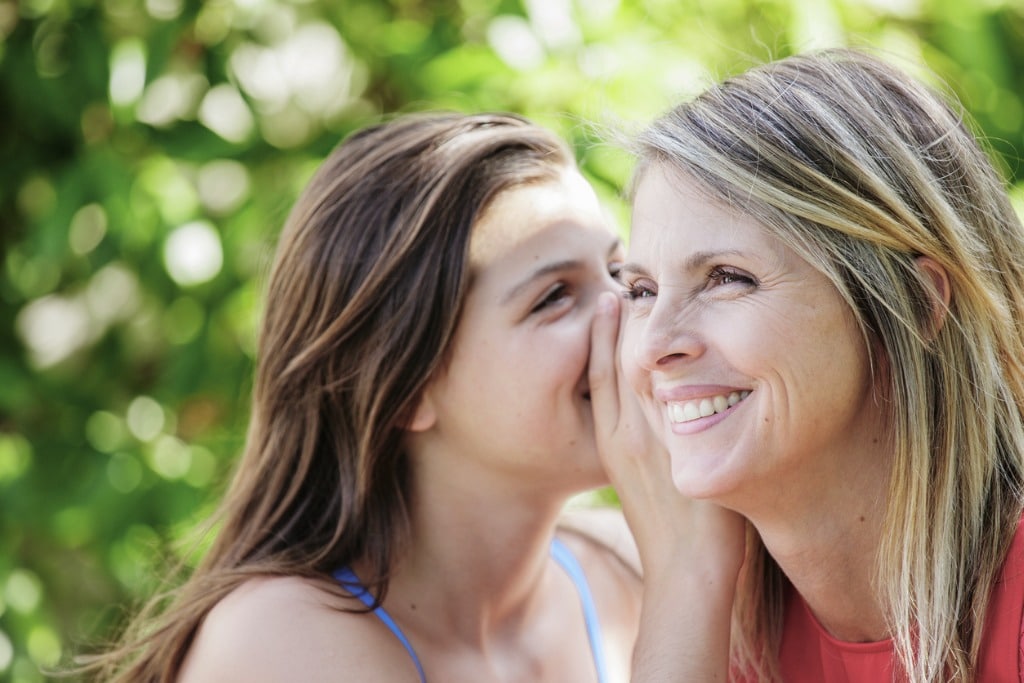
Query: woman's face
<point x="748" y="362"/>
<point x="514" y="394"/>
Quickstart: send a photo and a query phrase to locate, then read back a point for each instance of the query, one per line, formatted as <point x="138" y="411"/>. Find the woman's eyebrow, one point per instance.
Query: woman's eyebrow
<point x="694" y="261"/>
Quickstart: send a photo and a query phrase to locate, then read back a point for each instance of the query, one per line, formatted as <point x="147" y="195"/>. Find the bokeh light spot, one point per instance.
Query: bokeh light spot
<point x="37" y="197"/>
<point x="6" y="652"/>
<point x="124" y="472"/>
<point x="202" y="469"/>
<point x="170" y="457"/>
<point x="223" y="185"/>
<point x="170" y="98"/>
<point x="88" y="227"/>
<point x="225" y="113"/>
<point x="193" y="253"/>
<point x="15" y="456"/>
<point x="127" y="72"/>
<point x="145" y="418"/>
<point x="515" y="42"/>
<point x="43" y="645"/>
<point x="105" y="431"/>
<point x="164" y="10"/>
<point x="113" y="293"/>
<point x="23" y="591"/>
<point x="54" y="327"/>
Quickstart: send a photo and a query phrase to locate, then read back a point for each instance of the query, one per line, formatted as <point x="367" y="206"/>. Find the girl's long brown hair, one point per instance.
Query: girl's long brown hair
<point x="363" y="299"/>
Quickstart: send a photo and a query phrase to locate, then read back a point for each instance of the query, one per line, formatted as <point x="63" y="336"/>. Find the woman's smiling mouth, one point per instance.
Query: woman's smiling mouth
<point x="688" y="411"/>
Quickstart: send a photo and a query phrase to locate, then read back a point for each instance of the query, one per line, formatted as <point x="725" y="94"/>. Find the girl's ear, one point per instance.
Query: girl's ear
<point x="939" y="292"/>
<point x="424" y="416"/>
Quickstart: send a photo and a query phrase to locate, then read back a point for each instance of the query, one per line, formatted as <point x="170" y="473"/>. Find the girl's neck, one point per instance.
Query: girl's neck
<point x="478" y="559"/>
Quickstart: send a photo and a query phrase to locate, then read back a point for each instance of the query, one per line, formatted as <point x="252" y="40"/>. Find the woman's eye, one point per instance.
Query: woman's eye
<point x="729" y="276"/>
<point x="639" y="289"/>
<point x="555" y="295"/>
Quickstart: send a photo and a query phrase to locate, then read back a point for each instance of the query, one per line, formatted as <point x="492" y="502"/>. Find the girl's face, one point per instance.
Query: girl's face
<point x="746" y="359"/>
<point x="514" y="393"/>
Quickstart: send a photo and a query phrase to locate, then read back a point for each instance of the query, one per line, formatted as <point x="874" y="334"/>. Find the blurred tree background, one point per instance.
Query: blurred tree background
<point x="151" y="149"/>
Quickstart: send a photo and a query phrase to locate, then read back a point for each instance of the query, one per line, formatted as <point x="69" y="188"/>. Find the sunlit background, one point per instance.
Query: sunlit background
<point x="149" y="152"/>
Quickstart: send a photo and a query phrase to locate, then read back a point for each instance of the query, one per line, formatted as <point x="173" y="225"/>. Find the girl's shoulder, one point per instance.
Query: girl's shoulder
<point x="601" y="542"/>
<point x="292" y="628"/>
<point x="600" y="534"/>
<point x="604" y="548"/>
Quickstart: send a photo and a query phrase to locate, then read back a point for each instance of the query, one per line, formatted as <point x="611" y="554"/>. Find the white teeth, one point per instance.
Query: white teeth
<point x="705" y="407"/>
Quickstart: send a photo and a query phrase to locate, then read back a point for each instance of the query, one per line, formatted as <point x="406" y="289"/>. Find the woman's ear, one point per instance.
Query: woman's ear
<point x="939" y="291"/>
<point x="424" y="416"/>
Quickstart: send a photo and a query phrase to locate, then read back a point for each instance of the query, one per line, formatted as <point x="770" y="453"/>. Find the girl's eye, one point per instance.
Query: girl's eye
<point x="555" y="295"/>
<point x="614" y="269"/>
<point x="727" y="276"/>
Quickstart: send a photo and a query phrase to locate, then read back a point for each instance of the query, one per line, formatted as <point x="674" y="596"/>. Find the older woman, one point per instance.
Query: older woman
<point x="825" y="285"/>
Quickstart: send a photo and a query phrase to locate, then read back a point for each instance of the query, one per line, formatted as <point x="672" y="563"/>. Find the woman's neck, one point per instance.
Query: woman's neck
<point x="833" y="567"/>
<point x="826" y="537"/>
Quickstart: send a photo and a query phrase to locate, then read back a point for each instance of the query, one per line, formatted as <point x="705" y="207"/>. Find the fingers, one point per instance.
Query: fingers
<point x="604" y="388"/>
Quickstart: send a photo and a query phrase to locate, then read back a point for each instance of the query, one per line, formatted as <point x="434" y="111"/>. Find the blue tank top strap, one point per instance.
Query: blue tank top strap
<point x="559" y="552"/>
<point x="572" y="567"/>
<point x="350" y="582"/>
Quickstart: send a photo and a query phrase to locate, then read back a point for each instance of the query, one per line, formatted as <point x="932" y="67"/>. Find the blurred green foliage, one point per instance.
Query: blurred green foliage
<point x="151" y="149"/>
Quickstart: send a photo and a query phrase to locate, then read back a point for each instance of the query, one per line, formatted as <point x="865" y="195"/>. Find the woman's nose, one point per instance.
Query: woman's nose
<point x="665" y="337"/>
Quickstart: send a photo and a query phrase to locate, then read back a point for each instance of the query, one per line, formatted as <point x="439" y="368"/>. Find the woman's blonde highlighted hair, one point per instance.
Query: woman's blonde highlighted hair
<point x="862" y="170"/>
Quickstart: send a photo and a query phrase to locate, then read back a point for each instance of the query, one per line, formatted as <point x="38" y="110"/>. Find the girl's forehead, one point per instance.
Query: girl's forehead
<point x="521" y="211"/>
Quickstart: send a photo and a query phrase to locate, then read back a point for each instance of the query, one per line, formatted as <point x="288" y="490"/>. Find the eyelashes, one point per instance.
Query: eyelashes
<point x="636" y="290"/>
<point x="563" y="291"/>
<point x="724" y="275"/>
<point x="553" y="296"/>
<point x="717" y="277"/>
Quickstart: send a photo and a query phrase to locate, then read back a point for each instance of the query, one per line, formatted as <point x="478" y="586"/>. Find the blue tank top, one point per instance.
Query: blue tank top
<point x="559" y="552"/>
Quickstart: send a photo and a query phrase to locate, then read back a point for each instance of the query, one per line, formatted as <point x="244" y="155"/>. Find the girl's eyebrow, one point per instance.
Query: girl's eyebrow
<point x="548" y="268"/>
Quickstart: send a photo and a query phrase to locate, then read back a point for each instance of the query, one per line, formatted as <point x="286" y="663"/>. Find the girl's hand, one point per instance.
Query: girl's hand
<point x="690" y="550"/>
<point x="667" y="526"/>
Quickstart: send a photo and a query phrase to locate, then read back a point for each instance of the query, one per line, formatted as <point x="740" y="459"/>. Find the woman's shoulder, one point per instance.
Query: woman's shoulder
<point x="292" y="628"/>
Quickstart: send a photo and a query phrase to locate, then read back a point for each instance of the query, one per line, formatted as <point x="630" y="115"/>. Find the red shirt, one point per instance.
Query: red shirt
<point x="810" y="655"/>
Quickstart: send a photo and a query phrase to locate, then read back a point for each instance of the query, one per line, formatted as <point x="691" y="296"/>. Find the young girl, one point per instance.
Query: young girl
<point x="421" y="414"/>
